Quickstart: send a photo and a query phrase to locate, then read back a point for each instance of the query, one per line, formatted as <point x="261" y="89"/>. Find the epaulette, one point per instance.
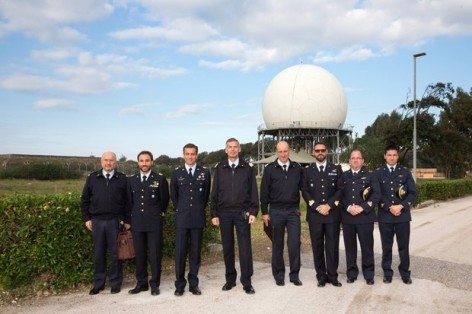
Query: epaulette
<point x="307" y="166"/>
<point x="296" y="163"/>
<point x="176" y="168"/>
<point x="160" y="174"/>
<point x="204" y="167"/>
<point x="217" y="164"/>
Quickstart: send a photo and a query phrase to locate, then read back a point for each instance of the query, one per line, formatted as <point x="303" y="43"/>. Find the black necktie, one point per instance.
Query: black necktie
<point x="354" y="173"/>
<point x="285" y="167"/>
<point x="108" y="178"/>
<point x="190" y="172"/>
<point x="321" y="169"/>
<point x="391" y="169"/>
<point x="233" y="166"/>
<point x="144" y="178"/>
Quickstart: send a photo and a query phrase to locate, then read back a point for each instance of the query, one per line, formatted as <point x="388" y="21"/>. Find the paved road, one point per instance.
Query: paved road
<point x="441" y="249"/>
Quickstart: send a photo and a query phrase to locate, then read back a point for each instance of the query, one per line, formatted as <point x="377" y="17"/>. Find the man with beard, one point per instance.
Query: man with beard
<point x="104" y="207"/>
<point x="398" y="193"/>
<point x="190" y="189"/>
<point x="149" y="196"/>
<point x="234" y="205"/>
<point x="322" y="193"/>
<point x="360" y="194"/>
<point x="280" y="203"/>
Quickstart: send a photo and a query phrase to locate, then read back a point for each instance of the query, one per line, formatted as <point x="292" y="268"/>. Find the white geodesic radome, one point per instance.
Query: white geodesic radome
<point x="304" y="96"/>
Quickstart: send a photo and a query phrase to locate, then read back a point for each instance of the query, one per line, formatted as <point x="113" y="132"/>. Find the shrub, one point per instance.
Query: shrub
<point x="39" y="172"/>
<point x="43" y="238"/>
<point x="443" y="189"/>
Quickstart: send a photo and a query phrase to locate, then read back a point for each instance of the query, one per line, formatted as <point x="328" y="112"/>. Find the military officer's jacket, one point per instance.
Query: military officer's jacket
<point x="322" y="188"/>
<point x="353" y="189"/>
<point x="190" y="196"/>
<point x="392" y="186"/>
<point x="148" y="200"/>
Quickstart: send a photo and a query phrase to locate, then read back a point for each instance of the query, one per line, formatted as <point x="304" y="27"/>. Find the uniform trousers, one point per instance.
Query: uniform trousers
<point x="104" y="234"/>
<point x="325" y="247"/>
<point x="281" y="219"/>
<point x="148" y="244"/>
<point x="187" y="240"/>
<point x="365" y="233"/>
<point x="230" y="220"/>
<point x="402" y="232"/>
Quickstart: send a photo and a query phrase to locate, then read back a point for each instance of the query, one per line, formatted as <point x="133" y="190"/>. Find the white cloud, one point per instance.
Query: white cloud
<point x="185" y="29"/>
<point x="48" y="20"/>
<point x="75" y="80"/>
<point x="82" y="72"/>
<point x="251" y="34"/>
<point x="348" y="54"/>
<point x="52" y="103"/>
<point x="54" y="54"/>
<point x="186" y="110"/>
<point x="139" y="109"/>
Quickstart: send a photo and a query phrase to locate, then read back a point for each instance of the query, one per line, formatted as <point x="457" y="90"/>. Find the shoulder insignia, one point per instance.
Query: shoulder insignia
<point x="160" y="174"/>
<point x="216" y="165"/>
<point x="307" y="166"/>
<point x="176" y="168"/>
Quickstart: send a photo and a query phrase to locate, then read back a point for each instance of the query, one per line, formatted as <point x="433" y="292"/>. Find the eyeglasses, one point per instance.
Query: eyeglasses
<point x="320" y="150"/>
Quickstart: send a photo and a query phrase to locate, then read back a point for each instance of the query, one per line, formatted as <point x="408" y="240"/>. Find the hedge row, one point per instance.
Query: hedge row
<point x="44" y="239"/>
<point x="443" y="189"/>
<point x="39" y="172"/>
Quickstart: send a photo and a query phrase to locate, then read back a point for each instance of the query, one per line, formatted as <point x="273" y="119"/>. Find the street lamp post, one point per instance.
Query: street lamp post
<point x="416" y="55"/>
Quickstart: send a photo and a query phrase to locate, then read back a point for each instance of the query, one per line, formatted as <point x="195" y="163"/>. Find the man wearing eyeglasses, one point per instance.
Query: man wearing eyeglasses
<point x="360" y="194"/>
<point x="322" y="193"/>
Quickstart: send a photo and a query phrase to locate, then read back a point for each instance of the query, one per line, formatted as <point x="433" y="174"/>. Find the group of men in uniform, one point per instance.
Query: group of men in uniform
<point x="110" y="201"/>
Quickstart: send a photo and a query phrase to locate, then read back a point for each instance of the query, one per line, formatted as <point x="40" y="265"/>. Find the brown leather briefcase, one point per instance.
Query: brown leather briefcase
<point x="125" y="245"/>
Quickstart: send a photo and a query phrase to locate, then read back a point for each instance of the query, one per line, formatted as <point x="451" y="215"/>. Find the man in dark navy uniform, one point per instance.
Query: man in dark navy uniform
<point x="322" y="193"/>
<point x="190" y="189"/>
<point x="398" y="192"/>
<point x="104" y="207"/>
<point x="360" y="194"/>
<point x="280" y="202"/>
<point x="234" y="204"/>
<point x="149" y="196"/>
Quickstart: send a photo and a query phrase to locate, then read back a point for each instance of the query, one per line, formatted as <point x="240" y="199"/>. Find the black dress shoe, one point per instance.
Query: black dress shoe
<point x="407" y="281"/>
<point x="179" y="292"/>
<point x="115" y="290"/>
<point x="336" y="283"/>
<point x="138" y="289"/>
<point x="94" y="290"/>
<point x="351" y="279"/>
<point x="370" y="282"/>
<point x="155" y="291"/>
<point x="321" y="283"/>
<point x="387" y="279"/>
<point x="249" y="289"/>
<point x="296" y="282"/>
<point x="280" y="283"/>
<point x="228" y="286"/>
<point x="195" y="290"/>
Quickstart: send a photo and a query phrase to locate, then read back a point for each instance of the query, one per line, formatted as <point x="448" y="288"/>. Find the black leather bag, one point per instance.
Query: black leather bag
<point x="125" y="245"/>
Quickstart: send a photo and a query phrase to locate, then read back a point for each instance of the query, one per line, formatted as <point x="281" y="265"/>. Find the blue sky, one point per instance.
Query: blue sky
<point x="81" y="77"/>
